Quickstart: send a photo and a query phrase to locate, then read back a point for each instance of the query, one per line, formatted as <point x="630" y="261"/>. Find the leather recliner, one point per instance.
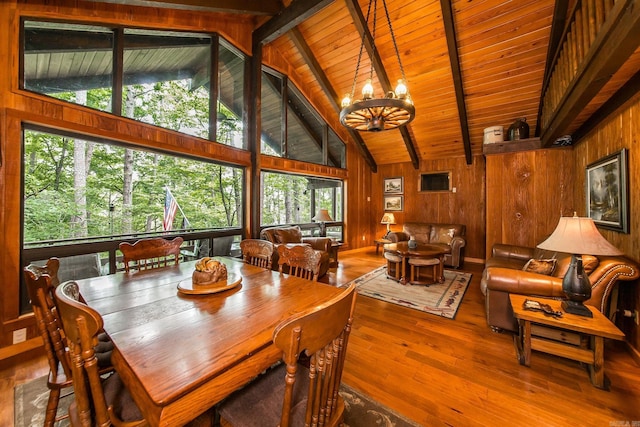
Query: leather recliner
<point x="504" y="274"/>
<point x="293" y="235"/>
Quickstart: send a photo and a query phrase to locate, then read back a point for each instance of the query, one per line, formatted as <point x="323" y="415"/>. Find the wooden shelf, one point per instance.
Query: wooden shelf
<point x="512" y="146"/>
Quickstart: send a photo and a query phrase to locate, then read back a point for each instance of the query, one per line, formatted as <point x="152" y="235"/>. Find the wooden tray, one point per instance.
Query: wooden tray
<point x="187" y="287"/>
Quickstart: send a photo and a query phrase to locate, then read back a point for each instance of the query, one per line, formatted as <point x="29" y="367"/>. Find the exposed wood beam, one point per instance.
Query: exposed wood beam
<point x="361" y="25"/>
<point x="615" y="42"/>
<point x="249" y="7"/>
<point x="452" y="46"/>
<point x="626" y="92"/>
<point x="557" y="33"/>
<point x="325" y="85"/>
<point x="287" y="18"/>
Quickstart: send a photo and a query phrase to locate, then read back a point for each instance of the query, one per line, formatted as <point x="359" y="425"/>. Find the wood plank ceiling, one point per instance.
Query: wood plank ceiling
<point x="469" y="65"/>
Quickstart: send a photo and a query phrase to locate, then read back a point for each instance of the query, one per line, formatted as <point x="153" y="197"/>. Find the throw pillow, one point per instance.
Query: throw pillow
<point x="540" y="266"/>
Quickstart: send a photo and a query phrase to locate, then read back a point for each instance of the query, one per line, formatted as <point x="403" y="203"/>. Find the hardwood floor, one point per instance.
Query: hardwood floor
<point x="442" y="372"/>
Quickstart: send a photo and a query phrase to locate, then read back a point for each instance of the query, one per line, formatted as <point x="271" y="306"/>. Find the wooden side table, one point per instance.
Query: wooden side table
<point x="592" y="331"/>
<point x="381" y="242"/>
<point x="333" y="253"/>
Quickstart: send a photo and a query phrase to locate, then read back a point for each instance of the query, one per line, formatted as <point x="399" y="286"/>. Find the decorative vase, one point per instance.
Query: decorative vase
<point x="412" y="243"/>
<point x="518" y="130"/>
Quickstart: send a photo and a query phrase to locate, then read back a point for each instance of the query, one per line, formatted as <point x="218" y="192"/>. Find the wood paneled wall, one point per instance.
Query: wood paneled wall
<point x="620" y="130"/>
<point x="527" y="192"/>
<point x="464" y="206"/>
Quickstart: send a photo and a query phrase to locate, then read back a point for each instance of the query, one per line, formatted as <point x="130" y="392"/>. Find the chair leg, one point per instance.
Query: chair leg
<point x="52" y="407"/>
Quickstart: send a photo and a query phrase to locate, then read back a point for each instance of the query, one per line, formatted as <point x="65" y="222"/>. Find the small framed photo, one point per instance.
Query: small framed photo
<point x="393" y="203"/>
<point x="607" y="195"/>
<point x="394" y="185"/>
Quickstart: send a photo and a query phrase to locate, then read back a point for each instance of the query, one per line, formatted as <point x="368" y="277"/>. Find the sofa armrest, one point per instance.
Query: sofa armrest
<point x="318" y="243"/>
<point x="398" y="236"/>
<point x="522" y="253"/>
<point x="458" y="243"/>
<point x="522" y="282"/>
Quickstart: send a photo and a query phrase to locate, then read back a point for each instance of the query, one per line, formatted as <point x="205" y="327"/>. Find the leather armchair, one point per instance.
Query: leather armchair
<point x="449" y="236"/>
<point x="504" y="274"/>
<point x="293" y="235"/>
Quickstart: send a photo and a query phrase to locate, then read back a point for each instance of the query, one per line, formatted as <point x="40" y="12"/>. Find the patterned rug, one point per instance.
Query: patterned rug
<point x="442" y="299"/>
<point x="360" y="410"/>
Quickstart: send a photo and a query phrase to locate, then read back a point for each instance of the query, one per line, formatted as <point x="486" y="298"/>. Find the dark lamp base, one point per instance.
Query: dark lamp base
<point x="578" y="308"/>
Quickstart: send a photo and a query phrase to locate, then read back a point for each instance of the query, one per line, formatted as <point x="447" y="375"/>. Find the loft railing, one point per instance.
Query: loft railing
<point x="598" y="38"/>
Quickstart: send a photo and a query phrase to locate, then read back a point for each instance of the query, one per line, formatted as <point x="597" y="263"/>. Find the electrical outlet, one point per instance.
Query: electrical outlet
<point x="19" y="335"/>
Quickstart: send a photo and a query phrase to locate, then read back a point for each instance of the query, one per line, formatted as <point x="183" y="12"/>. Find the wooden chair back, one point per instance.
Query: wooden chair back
<point x="147" y="254"/>
<point x="82" y="325"/>
<point x="41" y="283"/>
<point x="302" y="260"/>
<point x="257" y="252"/>
<point x="322" y="335"/>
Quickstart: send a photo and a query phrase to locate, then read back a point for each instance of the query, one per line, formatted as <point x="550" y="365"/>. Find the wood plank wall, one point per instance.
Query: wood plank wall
<point x="527" y="192"/>
<point x="465" y="206"/>
<point x="620" y="130"/>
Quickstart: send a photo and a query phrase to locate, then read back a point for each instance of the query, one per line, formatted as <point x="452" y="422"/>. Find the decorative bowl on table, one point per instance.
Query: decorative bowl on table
<point x="209" y="271"/>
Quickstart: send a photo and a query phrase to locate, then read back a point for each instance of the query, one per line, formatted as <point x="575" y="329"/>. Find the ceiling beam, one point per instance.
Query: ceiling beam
<point x="614" y="44"/>
<point x="325" y="85"/>
<point x="557" y="33"/>
<point x="452" y="46"/>
<point x="363" y="30"/>
<point x="249" y="7"/>
<point x="297" y="12"/>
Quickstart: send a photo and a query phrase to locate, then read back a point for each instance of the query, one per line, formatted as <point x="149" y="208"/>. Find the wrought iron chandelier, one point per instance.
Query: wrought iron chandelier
<point x="393" y="110"/>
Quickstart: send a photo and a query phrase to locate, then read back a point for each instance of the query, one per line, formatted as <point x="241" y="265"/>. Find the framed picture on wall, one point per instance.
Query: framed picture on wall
<point x="607" y="194"/>
<point x="394" y="185"/>
<point x="393" y="203"/>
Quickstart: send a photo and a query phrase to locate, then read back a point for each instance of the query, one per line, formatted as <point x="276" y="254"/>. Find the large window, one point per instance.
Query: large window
<point x="295" y="199"/>
<point x="166" y="78"/>
<point x="78" y="189"/>
<point x="292" y="128"/>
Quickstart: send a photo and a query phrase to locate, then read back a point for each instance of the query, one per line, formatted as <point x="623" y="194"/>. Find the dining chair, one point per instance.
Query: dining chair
<point x="98" y="401"/>
<point x="257" y="252"/>
<point x="147" y="254"/>
<point x="294" y="394"/>
<point x="301" y="260"/>
<point x="40" y="282"/>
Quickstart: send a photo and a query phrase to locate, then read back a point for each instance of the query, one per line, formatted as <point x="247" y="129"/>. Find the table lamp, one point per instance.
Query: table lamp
<point x="577" y="236"/>
<point x="388" y="218"/>
<point x="322" y="217"/>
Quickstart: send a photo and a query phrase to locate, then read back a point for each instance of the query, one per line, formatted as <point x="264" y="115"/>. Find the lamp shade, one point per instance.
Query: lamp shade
<point x="322" y="216"/>
<point x="388" y="218"/>
<point x="577" y="235"/>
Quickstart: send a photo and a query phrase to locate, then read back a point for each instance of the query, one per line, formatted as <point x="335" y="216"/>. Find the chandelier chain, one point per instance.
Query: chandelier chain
<point x="364" y="34"/>
<point x="393" y="39"/>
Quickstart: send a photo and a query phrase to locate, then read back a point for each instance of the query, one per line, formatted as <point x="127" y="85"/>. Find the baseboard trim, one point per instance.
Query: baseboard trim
<point x="20" y="348"/>
<point x="474" y="260"/>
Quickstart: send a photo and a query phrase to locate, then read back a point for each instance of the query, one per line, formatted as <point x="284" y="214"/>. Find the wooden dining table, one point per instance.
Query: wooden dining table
<point x="180" y="354"/>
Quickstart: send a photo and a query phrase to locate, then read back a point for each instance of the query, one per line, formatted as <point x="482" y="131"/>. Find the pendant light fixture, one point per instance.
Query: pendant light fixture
<point x="392" y="110"/>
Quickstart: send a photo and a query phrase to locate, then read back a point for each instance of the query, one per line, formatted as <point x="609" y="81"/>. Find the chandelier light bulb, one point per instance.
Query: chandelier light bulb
<point x="401" y="89"/>
<point x="367" y="90"/>
<point x="346" y="101"/>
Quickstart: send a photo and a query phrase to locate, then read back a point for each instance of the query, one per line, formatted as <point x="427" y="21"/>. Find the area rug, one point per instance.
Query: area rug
<point x="442" y="299"/>
<point x="30" y="400"/>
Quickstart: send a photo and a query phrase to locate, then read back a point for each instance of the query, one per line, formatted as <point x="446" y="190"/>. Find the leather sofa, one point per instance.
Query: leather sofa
<point x="448" y="236"/>
<point x="293" y="235"/>
<point x="504" y="274"/>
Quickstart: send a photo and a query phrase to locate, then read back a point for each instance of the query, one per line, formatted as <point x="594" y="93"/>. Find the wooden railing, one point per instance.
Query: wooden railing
<point x="585" y="22"/>
<point x="598" y="38"/>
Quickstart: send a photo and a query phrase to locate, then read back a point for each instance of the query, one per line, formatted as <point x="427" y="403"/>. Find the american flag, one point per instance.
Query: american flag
<point x="170" y="208"/>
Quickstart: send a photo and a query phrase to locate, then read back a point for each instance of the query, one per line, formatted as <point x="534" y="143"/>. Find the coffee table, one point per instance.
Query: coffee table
<point x="589" y="348"/>
<point x="403" y="250"/>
